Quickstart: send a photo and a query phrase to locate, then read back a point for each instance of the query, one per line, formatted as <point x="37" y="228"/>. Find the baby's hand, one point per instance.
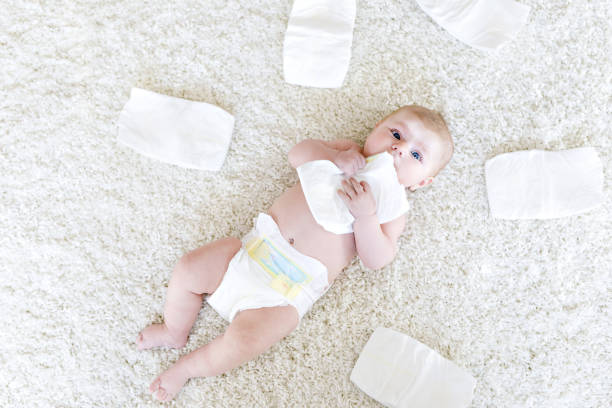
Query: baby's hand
<point x="349" y="161"/>
<point x="358" y="197"/>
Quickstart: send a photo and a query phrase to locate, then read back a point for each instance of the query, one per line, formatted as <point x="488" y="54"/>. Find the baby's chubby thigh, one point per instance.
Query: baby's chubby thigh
<point x="201" y="271"/>
<point x="254" y="331"/>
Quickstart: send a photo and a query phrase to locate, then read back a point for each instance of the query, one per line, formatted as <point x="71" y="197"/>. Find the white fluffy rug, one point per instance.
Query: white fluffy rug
<point x="90" y="230"/>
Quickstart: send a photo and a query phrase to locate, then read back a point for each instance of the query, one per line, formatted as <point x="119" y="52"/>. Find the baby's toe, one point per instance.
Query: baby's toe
<point x="161" y="395"/>
<point x="155" y="385"/>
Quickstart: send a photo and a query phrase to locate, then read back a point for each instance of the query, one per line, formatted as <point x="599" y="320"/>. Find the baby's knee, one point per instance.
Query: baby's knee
<point x="248" y="342"/>
<point x="184" y="268"/>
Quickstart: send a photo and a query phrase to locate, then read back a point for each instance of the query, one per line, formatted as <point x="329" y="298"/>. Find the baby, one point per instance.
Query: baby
<point x="264" y="284"/>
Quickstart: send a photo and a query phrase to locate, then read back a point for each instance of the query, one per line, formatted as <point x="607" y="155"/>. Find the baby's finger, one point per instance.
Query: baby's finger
<point x="356" y="186"/>
<point x="348" y="188"/>
<point x="343" y="196"/>
<point x="366" y="186"/>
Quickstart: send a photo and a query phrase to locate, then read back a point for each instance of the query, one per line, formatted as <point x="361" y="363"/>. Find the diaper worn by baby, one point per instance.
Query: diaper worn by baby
<point x="321" y="180"/>
<point x="266" y="272"/>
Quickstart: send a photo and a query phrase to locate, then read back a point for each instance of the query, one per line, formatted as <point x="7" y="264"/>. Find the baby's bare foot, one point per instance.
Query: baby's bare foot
<point x="157" y="335"/>
<point x="169" y="383"/>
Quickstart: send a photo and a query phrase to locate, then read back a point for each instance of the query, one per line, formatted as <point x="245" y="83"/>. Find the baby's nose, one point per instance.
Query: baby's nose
<point x="396" y="149"/>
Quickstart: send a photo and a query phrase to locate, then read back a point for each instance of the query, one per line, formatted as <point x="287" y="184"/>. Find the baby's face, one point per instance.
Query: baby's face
<point x="417" y="151"/>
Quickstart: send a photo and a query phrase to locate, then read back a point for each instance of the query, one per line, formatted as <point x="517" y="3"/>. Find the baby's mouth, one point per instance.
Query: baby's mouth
<point x="396" y="162"/>
<point x="395" y="155"/>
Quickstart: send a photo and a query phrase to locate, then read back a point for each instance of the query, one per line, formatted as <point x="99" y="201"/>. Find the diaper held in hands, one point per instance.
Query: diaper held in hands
<point x="174" y="130"/>
<point x="398" y="371"/>
<point x="321" y="180"/>
<point x="483" y="24"/>
<point x="317" y="46"/>
<point x="544" y="184"/>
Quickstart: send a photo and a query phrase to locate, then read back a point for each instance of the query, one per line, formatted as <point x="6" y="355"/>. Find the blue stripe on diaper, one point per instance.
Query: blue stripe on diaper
<point x="287" y="278"/>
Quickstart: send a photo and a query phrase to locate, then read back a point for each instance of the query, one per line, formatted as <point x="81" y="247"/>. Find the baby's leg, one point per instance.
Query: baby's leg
<point x="198" y="272"/>
<point x="251" y="333"/>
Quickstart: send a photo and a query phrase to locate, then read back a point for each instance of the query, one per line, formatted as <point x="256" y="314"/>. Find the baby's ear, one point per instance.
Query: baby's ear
<point x="422" y="184"/>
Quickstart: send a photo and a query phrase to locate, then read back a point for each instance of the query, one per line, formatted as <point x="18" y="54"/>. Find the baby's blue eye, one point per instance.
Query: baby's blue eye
<point x="417" y="155"/>
<point x="396" y="135"/>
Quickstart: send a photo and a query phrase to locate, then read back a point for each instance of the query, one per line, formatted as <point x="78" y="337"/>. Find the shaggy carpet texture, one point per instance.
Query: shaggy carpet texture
<point x="90" y="230"/>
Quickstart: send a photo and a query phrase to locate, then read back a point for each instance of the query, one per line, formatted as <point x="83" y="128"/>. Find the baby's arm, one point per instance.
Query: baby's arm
<point x="312" y="149"/>
<point x="376" y="244"/>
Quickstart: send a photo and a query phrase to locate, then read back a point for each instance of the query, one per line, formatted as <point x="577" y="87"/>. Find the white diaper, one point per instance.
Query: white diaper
<point x="398" y="371"/>
<point x="174" y="130"/>
<point x="317" y="47"/>
<point x="483" y="24"/>
<point x="321" y="180"/>
<point x="266" y="272"/>
<point x="544" y="184"/>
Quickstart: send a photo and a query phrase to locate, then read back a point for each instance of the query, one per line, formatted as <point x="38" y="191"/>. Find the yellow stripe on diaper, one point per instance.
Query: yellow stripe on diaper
<point x="287" y="278"/>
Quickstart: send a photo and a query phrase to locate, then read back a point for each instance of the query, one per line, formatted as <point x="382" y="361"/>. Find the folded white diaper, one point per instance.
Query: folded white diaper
<point x="321" y="180"/>
<point x="174" y="130"/>
<point x="544" y="184"/>
<point x="317" y="47"/>
<point x="398" y="371"/>
<point x="483" y="24"/>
